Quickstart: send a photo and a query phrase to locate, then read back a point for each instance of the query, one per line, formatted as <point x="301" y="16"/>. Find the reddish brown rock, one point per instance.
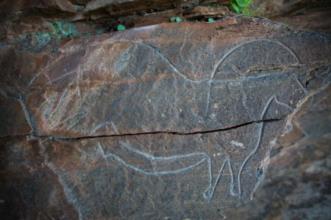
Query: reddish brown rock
<point x="309" y="19"/>
<point x="271" y="8"/>
<point x="159" y="122"/>
<point x="29" y="189"/>
<point x="85" y="91"/>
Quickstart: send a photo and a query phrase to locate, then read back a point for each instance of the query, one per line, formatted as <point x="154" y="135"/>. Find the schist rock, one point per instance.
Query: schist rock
<point x="298" y="177"/>
<point x="172" y="121"/>
<point x="89" y="9"/>
<point x="165" y="78"/>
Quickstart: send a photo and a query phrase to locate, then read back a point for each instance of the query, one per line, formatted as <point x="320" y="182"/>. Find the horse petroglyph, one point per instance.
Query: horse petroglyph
<point x="209" y="89"/>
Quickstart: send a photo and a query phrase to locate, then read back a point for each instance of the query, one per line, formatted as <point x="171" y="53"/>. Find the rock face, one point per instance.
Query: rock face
<point x="297" y="181"/>
<point x="301" y="14"/>
<point x="161" y="122"/>
<point x="88" y="7"/>
<point x="271" y="8"/>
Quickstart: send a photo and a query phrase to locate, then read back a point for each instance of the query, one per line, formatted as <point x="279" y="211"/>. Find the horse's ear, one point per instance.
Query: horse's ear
<point x="253" y="57"/>
<point x="277" y="109"/>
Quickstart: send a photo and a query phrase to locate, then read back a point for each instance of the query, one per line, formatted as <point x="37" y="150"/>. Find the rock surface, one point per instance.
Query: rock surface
<point x="164" y="122"/>
<point x="309" y="19"/>
<point x="298" y="177"/>
<point x="271" y="8"/>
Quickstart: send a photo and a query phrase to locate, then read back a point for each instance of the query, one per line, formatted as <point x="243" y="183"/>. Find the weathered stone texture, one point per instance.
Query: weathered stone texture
<point x="163" y="122"/>
<point x="298" y="178"/>
<point x="203" y="75"/>
<point x="29" y="189"/>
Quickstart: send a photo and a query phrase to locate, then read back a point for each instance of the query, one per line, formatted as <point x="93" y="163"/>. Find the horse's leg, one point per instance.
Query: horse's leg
<point x="209" y="192"/>
<point x="257" y="144"/>
<point x="234" y="184"/>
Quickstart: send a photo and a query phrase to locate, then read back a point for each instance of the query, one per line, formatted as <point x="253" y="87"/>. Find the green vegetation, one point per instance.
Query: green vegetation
<point x="211" y="20"/>
<point x="120" y="27"/>
<point x="240" y="6"/>
<point x="36" y="41"/>
<point x="42" y="38"/>
<point x="176" y="19"/>
<point x="63" y="29"/>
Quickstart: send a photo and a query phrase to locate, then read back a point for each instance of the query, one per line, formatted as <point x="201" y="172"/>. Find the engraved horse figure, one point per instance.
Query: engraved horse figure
<point x="219" y="76"/>
<point x="148" y="98"/>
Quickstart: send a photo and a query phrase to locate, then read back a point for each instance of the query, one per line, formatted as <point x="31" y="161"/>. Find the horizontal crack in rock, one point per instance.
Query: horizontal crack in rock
<point x="156" y="132"/>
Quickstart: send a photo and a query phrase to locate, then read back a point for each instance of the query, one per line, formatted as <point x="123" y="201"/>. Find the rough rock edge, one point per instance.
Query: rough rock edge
<point x="275" y="144"/>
